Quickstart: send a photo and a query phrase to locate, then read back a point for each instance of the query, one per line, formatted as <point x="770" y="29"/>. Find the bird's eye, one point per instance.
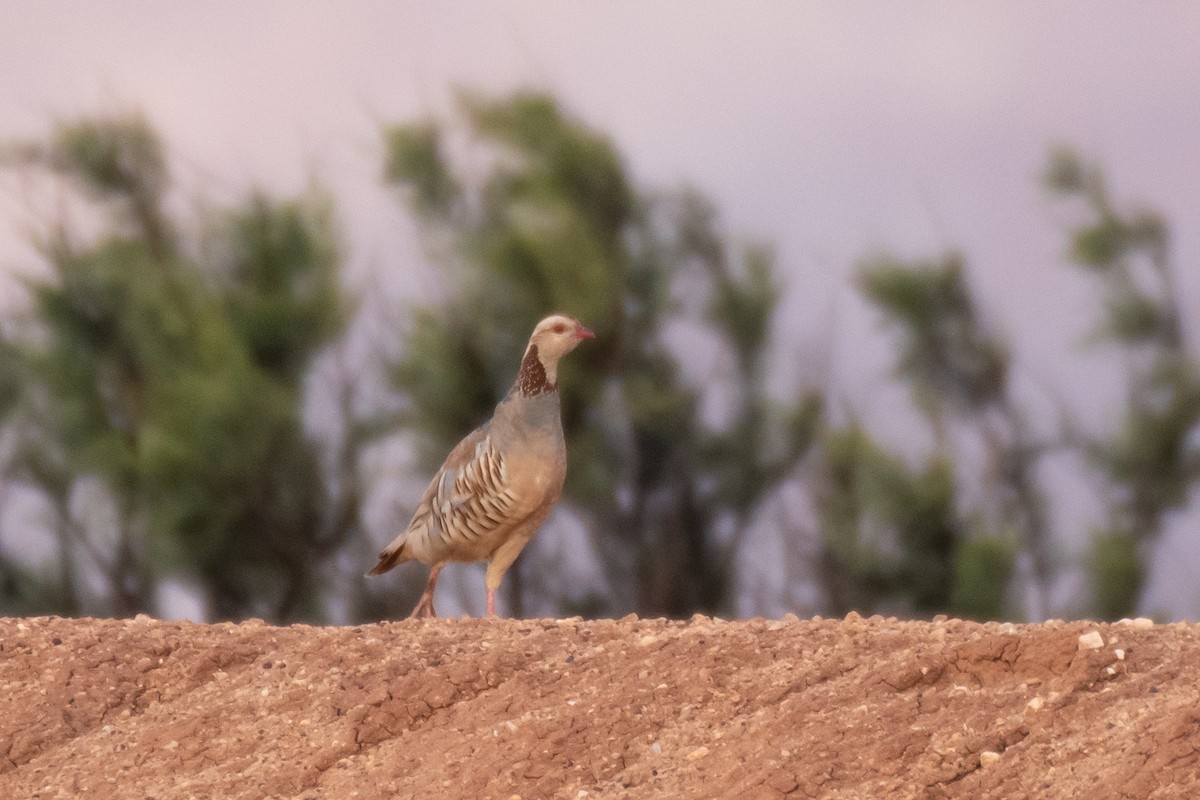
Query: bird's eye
<point x="559" y="328"/>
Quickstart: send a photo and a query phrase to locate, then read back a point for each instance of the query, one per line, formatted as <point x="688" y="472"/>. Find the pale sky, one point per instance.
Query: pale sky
<point x="833" y="130"/>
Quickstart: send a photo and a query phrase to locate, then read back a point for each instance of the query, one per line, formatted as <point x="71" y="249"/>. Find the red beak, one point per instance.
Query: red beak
<point x="584" y="333"/>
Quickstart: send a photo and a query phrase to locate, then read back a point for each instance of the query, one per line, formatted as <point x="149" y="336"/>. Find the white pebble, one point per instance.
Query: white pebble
<point x="1092" y="640"/>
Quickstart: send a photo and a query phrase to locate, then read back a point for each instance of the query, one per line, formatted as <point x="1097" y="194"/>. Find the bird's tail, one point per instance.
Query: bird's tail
<point x="395" y="553"/>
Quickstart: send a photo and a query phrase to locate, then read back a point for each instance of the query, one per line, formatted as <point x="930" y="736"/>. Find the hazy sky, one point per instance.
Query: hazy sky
<point x="833" y="130"/>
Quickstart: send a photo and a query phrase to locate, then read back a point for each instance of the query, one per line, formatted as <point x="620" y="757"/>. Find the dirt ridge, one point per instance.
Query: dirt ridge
<point x="607" y="708"/>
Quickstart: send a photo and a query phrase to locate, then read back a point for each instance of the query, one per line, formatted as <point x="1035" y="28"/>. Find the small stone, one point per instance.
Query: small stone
<point x="697" y="754"/>
<point x="1092" y="640"/>
<point x="853" y="616"/>
<point x="1119" y="653"/>
<point x="1035" y="704"/>
<point x="1140" y="622"/>
<point x="988" y="758"/>
<point x="656" y="748"/>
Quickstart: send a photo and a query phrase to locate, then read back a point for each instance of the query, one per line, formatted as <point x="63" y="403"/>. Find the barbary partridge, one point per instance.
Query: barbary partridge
<point x="498" y="485"/>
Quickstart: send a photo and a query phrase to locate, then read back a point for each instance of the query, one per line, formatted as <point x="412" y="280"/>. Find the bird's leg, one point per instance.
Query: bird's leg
<point x="498" y="564"/>
<point x="425" y="604"/>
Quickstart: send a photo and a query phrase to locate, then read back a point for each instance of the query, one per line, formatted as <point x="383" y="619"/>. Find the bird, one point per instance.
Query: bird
<point x="498" y="485"/>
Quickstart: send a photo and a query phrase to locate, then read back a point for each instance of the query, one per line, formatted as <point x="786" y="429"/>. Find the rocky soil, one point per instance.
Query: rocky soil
<point x="599" y="709"/>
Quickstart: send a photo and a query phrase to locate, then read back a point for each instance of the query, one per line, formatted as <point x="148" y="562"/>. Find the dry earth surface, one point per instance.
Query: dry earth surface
<point x="599" y="709"/>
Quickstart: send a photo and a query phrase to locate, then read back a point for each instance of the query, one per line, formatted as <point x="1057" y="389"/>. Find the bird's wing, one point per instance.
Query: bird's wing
<point x="470" y="496"/>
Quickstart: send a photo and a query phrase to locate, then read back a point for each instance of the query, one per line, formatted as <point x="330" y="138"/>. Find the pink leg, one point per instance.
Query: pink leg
<point x="491" y="602"/>
<point x="425" y="604"/>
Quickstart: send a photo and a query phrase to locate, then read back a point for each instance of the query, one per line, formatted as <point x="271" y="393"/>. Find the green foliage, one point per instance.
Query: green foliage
<point x="448" y="377"/>
<point x="1105" y="242"/>
<point x="1152" y="453"/>
<point x="24" y="593"/>
<point x="743" y="295"/>
<point x="1116" y="573"/>
<point x="115" y="158"/>
<point x="921" y="507"/>
<point x="10" y="379"/>
<point x="956" y="369"/>
<point x="944" y="352"/>
<point x="842" y="483"/>
<point x="1133" y="318"/>
<point x="1150" y="459"/>
<point x="176" y="383"/>
<point x="1067" y="174"/>
<point x="557" y="159"/>
<point x="279" y="263"/>
<point x="890" y="533"/>
<point x="983" y="571"/>
<point x="1102" y="244"/>
<point x="414" y="158"/>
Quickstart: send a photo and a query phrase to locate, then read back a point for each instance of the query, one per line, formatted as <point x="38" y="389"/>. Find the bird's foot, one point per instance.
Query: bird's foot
<point x="425" y="604"/>
<point x="424" y="609"/>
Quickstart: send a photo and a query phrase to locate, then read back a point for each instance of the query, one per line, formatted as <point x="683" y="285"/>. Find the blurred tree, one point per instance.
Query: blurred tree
<point x="154" y="390"/>
<point x="890" y="536"/>
<point x="958" y="371"/>
<point x="545" y="217"/>
<point x="1152" y="459"/>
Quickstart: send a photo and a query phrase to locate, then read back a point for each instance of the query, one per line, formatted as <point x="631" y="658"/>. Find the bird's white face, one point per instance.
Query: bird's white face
<point x="557" y="335"/>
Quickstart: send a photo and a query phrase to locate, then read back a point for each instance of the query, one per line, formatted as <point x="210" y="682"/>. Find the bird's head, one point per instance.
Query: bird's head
<point x="557" y="335"/>
<point x="553" y="338"/>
